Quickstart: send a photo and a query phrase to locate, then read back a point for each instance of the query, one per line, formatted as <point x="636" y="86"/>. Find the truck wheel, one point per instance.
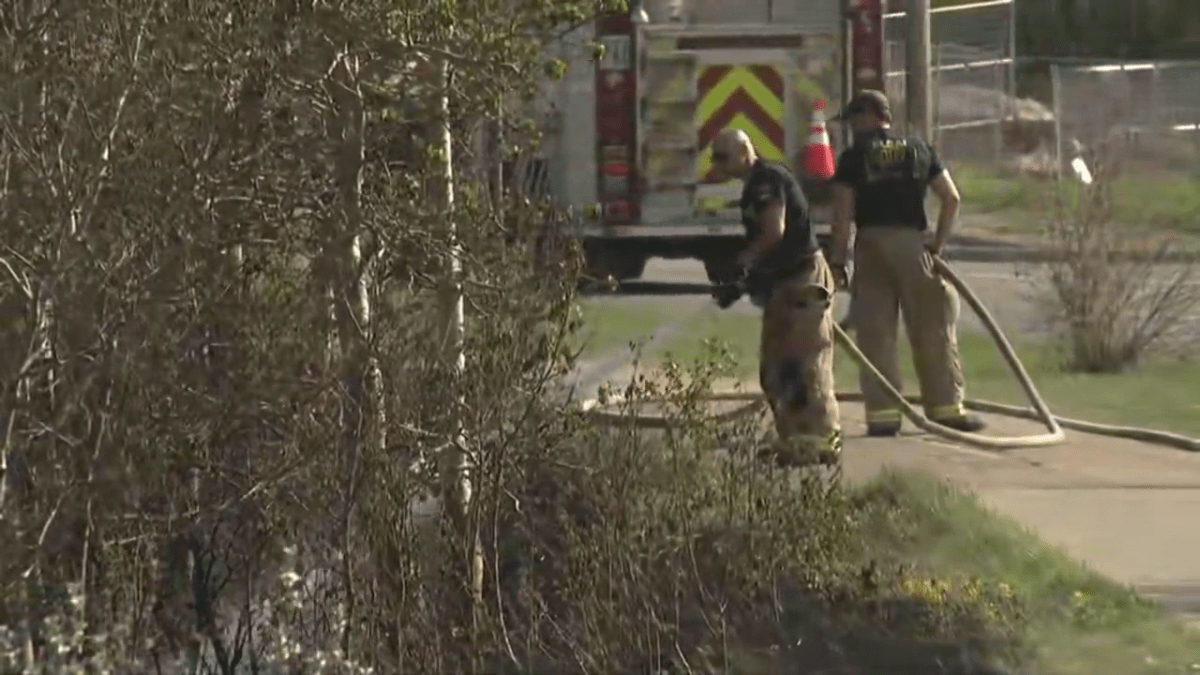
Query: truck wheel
<point x="629" y="266"/>
<point x="605" y="260"/>
<point x="721" y="270"/>
<point x="597" y="258"/>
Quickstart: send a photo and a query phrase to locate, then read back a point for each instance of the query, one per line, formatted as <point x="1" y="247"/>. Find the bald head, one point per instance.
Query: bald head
<point x="733" y="152"/>
<point x="732" y="141"/>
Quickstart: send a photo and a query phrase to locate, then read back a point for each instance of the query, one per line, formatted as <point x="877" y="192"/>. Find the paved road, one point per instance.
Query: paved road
<point x="1128" y="509"/>
<point x="1015" y="294"/>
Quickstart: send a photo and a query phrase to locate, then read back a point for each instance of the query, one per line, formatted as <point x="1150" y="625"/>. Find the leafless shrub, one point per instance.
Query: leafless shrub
<point x="1114" y="292"/>
<point x="224" y="387"/>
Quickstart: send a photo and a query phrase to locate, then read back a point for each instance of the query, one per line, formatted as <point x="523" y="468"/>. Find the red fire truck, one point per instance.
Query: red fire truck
<point x="630" y="156"/>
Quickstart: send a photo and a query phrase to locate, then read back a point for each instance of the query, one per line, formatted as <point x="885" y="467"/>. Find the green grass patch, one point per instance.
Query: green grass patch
<point x="1161" y="394"/>
<point x="1077" y="621"/>
<point x="988" y="191"/>
<point x="1158" y="202"/>
<point x="738" y="332"/>
<point x="608" y="326"/>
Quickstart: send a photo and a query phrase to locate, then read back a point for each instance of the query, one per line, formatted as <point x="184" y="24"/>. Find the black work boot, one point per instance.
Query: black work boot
<point x="883" y="429"/>
<point x="966" y="423"/>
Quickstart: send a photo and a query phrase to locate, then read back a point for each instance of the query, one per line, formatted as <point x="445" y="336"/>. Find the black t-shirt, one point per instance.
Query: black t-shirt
<point x="890" y="176"/>
<point x="770" y="183"/>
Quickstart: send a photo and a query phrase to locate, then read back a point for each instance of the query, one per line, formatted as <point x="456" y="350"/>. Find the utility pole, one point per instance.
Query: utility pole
<point x="919" y="103"/>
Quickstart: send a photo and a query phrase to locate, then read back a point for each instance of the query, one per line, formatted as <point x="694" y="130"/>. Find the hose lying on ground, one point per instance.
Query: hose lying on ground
<point x="1038" y="411"/>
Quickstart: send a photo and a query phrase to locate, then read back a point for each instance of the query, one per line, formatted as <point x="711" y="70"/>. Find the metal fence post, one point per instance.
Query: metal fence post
<point x="937" y="97"/>
<point x="1012" y="56"/>
<point x="1056" y="90"/>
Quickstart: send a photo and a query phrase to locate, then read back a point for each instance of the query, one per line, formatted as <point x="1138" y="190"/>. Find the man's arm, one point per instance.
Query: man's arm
<point x="948" y="197"/>
<point x="843" y="216"/>
<point x="844" y="179"/>
<point x="768" y="201"/>
<point x="947" y="192"/>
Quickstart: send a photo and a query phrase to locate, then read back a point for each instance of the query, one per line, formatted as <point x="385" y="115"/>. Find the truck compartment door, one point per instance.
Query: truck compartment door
<point x="668" y="145"/>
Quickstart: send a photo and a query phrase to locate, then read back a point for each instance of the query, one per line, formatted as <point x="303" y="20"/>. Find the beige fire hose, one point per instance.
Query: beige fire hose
<point x="599" y="412"/>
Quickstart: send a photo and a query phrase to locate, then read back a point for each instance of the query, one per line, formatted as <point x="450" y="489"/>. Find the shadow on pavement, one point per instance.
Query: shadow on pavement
<point x="983" y="242"/>
<point x="646" y="288"/>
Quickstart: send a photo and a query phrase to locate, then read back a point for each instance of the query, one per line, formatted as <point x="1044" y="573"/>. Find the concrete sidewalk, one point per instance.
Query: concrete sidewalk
<point x="1130" y="511"/>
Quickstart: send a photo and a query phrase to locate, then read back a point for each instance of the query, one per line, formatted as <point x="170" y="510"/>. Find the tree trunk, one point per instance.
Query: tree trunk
<point x="362" y="424"/>
<point x="455" y="472"/>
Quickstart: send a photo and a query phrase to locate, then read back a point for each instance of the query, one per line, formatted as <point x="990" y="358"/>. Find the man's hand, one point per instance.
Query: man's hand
<point x="841" y="275"/>
<point x="727" y="294"/>
<point x="934" y="245"/>
<point x="745" y="259"/>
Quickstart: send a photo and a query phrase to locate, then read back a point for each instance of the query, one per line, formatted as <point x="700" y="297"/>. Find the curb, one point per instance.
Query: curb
<point x="1008" y="252"/>
<point x="589" y="380"/>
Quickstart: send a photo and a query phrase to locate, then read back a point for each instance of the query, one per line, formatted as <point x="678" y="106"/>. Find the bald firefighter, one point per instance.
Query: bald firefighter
<point x="880" y="185"/>
<point x="786" y="274"/>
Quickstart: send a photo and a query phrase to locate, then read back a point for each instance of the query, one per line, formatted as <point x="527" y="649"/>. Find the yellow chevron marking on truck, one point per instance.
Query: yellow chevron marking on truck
<point x="748" y="97"/>
<point x="739" y="76"/>
<point x="766" y="147"/>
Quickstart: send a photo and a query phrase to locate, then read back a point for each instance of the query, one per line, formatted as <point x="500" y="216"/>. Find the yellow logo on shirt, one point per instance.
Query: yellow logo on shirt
<point x="890" y="152"/>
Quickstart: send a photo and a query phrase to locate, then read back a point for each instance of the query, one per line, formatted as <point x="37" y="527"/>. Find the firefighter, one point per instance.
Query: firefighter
<point x="786" y="274"/>
<point x="880" y="185"/>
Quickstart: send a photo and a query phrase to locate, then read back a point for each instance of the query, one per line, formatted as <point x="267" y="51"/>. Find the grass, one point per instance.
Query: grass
<point x="1160" y="202"/>
<point x="989" y="191"/>
<point x="1160" y="395"/>
<point x="608" y="326"/>
<point x="1078" y="621"/>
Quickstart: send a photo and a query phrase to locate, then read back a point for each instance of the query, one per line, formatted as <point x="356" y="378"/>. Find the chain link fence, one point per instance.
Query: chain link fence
<point x="973" y="80"/>
<point x="1147" y="113"/>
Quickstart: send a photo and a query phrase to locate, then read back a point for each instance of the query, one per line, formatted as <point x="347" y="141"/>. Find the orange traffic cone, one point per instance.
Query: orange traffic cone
<point x="818" y="153"/>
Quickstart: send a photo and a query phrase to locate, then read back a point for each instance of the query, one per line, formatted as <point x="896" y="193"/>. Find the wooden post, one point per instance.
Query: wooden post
<point x="919" y="107"/>
<point x="936" y="139"/>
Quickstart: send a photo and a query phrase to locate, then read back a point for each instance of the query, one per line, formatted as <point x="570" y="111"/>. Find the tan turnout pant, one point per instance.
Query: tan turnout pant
<point x="894" y="274"/>
<point x="796" y="358"/>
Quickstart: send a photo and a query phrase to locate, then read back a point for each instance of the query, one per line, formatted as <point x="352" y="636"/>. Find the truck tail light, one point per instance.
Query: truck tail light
<point x="616" y="119"/>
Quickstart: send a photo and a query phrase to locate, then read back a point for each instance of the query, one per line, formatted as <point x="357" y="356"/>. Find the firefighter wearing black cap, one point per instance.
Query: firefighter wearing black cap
<point x="880" y="186"/>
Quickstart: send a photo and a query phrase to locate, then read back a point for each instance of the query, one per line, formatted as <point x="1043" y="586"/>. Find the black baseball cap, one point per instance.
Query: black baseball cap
<point x="867" y="101"/>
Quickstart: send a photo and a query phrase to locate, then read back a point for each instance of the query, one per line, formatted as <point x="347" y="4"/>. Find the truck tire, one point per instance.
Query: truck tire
<point x="604" y="259"/>
<point x="721" y="270"/>
<point x="629" y="266"/>
<point x="596" y="258"/>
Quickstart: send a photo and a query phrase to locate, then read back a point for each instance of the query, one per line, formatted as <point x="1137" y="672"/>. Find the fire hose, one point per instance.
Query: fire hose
<point x="601" y="413"/>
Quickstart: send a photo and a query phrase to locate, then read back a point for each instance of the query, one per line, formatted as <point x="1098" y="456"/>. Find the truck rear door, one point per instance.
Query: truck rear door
<point x="668" y="140"/>
<point x="691" y="89"/>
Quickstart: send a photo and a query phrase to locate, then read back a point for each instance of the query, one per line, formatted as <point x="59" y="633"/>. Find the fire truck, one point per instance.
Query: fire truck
<point x="629" y="157"/>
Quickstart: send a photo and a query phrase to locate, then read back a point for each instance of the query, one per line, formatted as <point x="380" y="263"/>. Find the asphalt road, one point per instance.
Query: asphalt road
<point x="1016" y="294"/>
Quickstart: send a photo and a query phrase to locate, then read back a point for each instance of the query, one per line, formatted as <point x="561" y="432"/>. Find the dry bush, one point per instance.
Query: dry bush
<point x="220" y="359"/>
<point x="635" y="551"/>
<point x="225" y="385"/>
<point x="1114" y="292"/>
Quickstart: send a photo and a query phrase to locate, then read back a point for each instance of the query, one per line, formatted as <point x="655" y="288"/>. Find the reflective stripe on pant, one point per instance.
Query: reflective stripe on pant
<point x="796" y="357"/>
<point x="893" y="275"/>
